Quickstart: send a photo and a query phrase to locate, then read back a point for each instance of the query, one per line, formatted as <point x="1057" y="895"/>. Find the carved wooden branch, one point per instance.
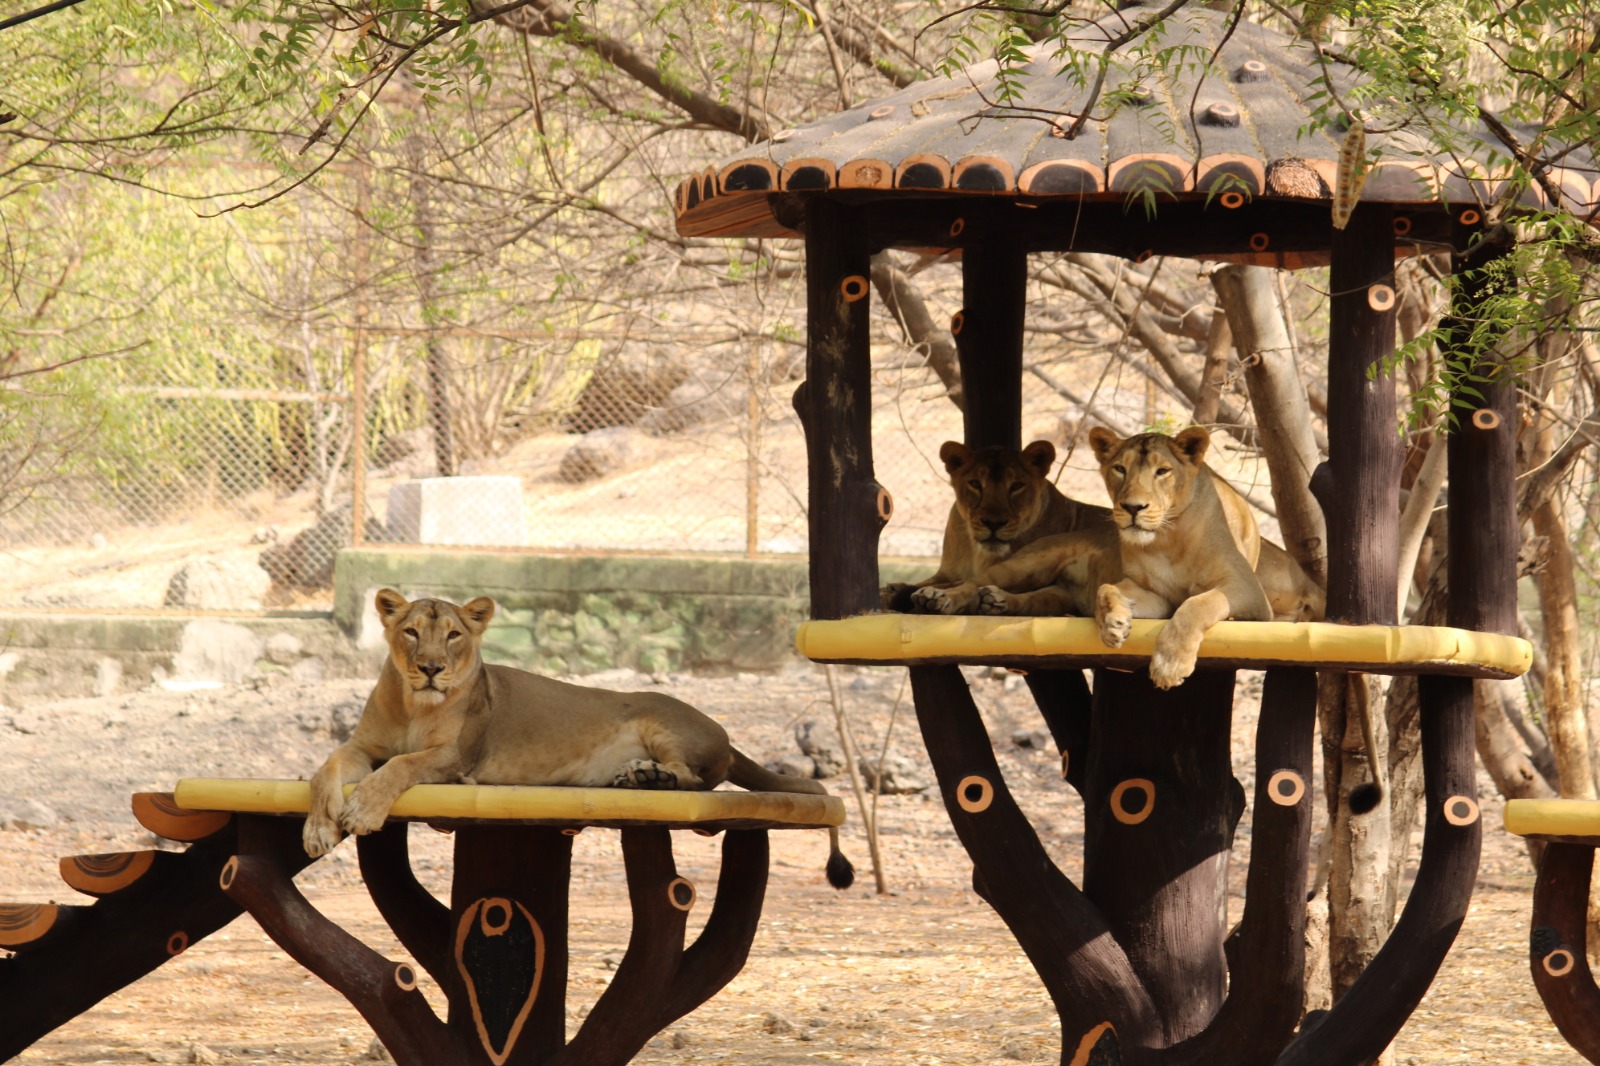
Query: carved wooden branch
<point x="420" y="922"/>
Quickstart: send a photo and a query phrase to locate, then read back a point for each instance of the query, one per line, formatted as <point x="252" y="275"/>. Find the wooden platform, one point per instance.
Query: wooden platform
<point x="925" y="640"/>
<point x="526" y="805"/>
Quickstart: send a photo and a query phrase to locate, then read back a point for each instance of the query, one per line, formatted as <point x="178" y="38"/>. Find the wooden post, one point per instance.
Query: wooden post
<point x="1557" y="953"/>
<point x="835" y="408"/>
<point x="988" y="331"/>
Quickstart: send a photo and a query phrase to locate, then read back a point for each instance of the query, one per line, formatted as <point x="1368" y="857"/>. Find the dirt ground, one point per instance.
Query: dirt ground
<point x="923" y="975"/>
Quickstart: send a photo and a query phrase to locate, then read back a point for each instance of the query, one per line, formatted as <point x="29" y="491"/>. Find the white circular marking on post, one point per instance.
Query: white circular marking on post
<point x="1559" y="962"/>
<point x="1461" y="810"/>
<point x="681" y="893"/>
<point x="974" y="794"/>
<point x="1380" y="297"/>
<point x="405" y="977"/>
<point x="1484" y="418"/>
<point x="1286" y="788"/>
<point x="230" y="870"/>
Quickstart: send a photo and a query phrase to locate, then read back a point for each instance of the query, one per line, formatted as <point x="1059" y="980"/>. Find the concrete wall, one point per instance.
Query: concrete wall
<point x="556" y="614"/>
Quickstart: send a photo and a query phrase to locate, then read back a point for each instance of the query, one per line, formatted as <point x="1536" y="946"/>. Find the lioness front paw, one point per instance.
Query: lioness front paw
<point x="320" y="835"/>
<point x="992" y="599"/>
<point x="932" y="601"/>
<point x="1169" y="671"/>
<point x="364" y="812"/>
<point x="644" y="773"/>
<point x="1111" y="611"/>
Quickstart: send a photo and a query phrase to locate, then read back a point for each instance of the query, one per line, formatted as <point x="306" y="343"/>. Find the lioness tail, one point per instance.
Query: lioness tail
<point x="747" y="773"/>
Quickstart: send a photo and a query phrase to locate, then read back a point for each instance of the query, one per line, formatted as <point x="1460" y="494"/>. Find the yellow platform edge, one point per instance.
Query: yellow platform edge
<point x="1553" y="818"/>
<point x="898" y="638"/>
<point x="577" y="806"/>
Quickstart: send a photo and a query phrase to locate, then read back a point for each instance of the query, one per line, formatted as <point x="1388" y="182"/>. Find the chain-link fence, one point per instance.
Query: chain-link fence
<point x="150" y="490"/>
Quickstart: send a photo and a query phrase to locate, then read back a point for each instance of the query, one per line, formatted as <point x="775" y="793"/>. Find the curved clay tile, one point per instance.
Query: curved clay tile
<point x="1221" y="135"/>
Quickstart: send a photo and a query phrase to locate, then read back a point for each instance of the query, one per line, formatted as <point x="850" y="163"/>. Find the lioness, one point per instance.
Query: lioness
<point x="1189" y="546"/>
<point x="440" y="714"/>
<point x="1004" y="501"/>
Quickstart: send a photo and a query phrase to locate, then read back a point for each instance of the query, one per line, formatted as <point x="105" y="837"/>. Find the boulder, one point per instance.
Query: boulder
<point x="217" y="585"/>
<point x="603" y="452"/>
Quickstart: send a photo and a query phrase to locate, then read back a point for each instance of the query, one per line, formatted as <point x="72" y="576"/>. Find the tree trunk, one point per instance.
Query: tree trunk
<point x="1283" y="416"/>
<point x="1566" y="716"/>
<point x="438" y="374"/>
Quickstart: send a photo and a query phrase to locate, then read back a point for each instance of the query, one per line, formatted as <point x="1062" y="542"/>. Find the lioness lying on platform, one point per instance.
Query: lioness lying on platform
<point x="439" y="714"/>
<point x="1004" y="501"/>
<point x="1059" y="572"/>
<point x="1189" y="546"/>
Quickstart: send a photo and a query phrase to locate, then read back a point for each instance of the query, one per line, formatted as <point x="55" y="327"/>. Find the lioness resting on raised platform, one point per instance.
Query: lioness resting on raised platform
<point x="1004" y="501"/>
<point x="439" y="714"/>
<point x="1189" y="546"/>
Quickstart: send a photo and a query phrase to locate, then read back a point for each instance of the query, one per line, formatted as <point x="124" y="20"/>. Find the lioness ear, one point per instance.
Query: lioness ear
<point x="1193" y="442"/>
<point x="1041" y="455"/>
<point x="954" y="455"/>
<point x="1103" y="442"/>
<point x="389" y="604"/>
<point x="477" y="613"/>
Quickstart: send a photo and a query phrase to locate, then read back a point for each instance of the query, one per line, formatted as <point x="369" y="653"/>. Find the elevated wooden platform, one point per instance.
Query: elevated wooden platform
<point x="613" y="808"/>
<point x="927" y="640"/>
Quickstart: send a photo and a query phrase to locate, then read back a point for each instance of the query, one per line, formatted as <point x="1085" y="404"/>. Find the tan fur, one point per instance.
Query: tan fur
<point x="1004" y="501"/>
<point x="1189" y="546"/>
<point x="440" y="714"/>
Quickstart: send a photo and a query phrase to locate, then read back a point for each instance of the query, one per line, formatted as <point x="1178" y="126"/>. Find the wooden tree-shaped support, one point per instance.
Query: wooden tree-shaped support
<point x="498" y="950"/>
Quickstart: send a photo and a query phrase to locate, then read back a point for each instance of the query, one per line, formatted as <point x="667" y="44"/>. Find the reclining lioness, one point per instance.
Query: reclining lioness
<point x="439" y="714"/>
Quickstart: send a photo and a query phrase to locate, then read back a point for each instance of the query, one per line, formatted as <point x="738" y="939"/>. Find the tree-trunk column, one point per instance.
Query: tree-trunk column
<point x="988" y="331"/>
<point x="848" y="508"/>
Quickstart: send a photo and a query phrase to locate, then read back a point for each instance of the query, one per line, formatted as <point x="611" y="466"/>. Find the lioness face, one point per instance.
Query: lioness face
<point x="433" y="643"/>
<point x="1150" y="477"/>
<point x="1000" y="492"/>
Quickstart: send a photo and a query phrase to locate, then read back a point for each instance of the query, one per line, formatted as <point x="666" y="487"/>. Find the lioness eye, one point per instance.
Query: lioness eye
<point x="1016" y="486"/>
<point x="412" y="633"/>
<point x="1119" y="469"/>
<point x="1163" y="471"/>
<point x="976" y="484"/>
<point x="453" y="636"/>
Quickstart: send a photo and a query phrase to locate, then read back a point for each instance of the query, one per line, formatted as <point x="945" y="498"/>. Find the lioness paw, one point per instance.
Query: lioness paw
<point x="320" y="836"/>
<point x="932" y="601"/>
<point x="993" y="600"/>
<point x="1169" y="671"/>
<point x="643" y="773"/>
<point x="362" y="813"/>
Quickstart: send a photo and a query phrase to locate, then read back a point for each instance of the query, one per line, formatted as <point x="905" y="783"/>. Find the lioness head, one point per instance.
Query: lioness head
<point x="1001" y="492"/>
<point x="1150" y="477"/>
<point x="433" y="643"/>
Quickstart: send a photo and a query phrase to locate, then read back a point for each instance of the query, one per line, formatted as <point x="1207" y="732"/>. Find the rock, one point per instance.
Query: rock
<point x="694" y="402"/>
<point x="342" y="719"/>
<point x="306" y="561"/>
<point x="794" y="766"/>
<point x="901" y="775"/>
<point x="621" y="391"/>
<point x="107" y="677"/>
<point x="680" y="1039"/>
<point x="213" y="650"/>
<point x="284" y="648"/>
<point x="776" y="1023"/>
<point x="376" y="1052"/>
<point x="159" y="1056"/>
<point x="1034" y="739"/>
<point x="310" y="668"/>
<point x="26" y="813"/>
<point x="217" y="585"/>
<point x="823" y="747"/>
<point x="199" y="1053"/>
<point x="603" y="452"/>
<point x="1016" y="1050"/>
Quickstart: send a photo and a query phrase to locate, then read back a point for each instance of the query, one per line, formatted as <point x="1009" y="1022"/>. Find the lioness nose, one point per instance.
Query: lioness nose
<point x="1133" y="509"/>
<point x="994" y="524"/>
<point x="431" y="671"/>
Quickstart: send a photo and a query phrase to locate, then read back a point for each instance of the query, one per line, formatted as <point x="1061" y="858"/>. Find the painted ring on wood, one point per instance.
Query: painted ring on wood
<point x="405" y="977"/>
<point x="705" y="832"/>
<point x="957" y="320"/>
<point x="974" y="794"/>
<point x="1285" y="788"/>
<point x="445" y="829"/>
<point x="681" y="893"/>
<point x="571" y="832"/>
<point x="1461" y="810"/>
<point x="1259" y="242"/>
<point x="885" y="504"/>
<point x="178" y="943"/>
<point x="1145" y="256"/>
<point x="1066" y="761"/>
<point x="230" y="870"/>
<point x="498" y="925"/>
<point x="1380" y="297"/>
<point x="957" y="226"/>
<point x="1119" y="809"/>
<point x="853" y="288"/>
<point x="1559" y="962"/>
<point x="1231" y="199"/>
<point x="882" y="112"/>
<point x="1402" y="225"/>
<point x="1485" y="418"/>
<point x="1470" y="217"/>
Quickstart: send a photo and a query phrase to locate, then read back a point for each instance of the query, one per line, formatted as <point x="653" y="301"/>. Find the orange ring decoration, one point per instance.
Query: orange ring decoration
<point x="1470" y="217"/>
<point x="957" y="226"/>
<point x="499" y="925"/>
<point x="1121" y="813"/>
<point x="1286" y="798"/>
<point x="1231" y="199"/>
<point x="974" y="794"/>
<point x="885" y="504"/>
<point x="1461" y="810"/>
<point x="1259" y="242"/>
<point x="405" y="977"/>
<point x="853" y="288"/>
<point x="957" y="320"/>
<point x="673" y="895"/>
<point x="1380" y="297"/>
<point x="1485" y="418"/>
<point x="1402" y="225"/>
<point x="177" y="943"/>
<point x="230" y="870"/>
<point x="1559" y="962"/>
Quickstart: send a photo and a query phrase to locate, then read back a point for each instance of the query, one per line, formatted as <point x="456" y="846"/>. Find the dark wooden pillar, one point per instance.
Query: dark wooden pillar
<point x="1359" y="486"/>
<point x="847" y="508"/>
<point x="1159" y="809"/>
<point x="1556" y="949"/>
<point x="988" y="331"/>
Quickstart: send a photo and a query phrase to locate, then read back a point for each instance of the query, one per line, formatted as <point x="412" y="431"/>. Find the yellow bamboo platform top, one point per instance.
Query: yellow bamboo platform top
<point x="537" y="805"/>
<point x="1554" y="818"/>
<point x="1075" y="642"/>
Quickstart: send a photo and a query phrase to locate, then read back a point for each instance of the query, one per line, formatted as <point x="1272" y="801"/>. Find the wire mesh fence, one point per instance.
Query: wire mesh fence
<point x="237" y="491"/>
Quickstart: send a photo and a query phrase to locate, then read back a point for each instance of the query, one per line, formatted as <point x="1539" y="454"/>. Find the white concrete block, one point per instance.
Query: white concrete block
<point x="461" y="511"/>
